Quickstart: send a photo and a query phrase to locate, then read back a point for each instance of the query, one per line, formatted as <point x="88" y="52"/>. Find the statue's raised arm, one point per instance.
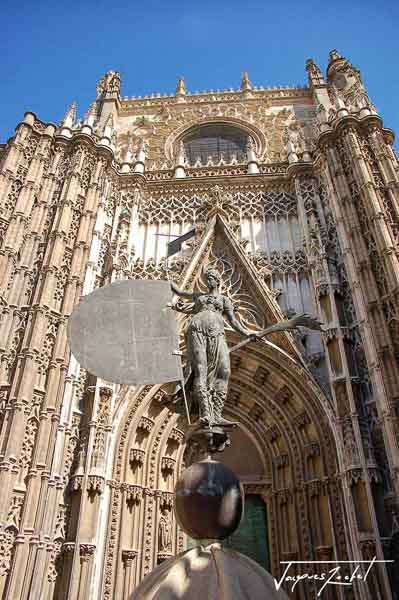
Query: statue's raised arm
<point x="182" y="293"/>
<point x="235" y="323"/>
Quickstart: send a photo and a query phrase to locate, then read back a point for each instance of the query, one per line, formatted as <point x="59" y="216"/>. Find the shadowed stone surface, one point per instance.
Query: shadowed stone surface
<point x="126" y="333"/>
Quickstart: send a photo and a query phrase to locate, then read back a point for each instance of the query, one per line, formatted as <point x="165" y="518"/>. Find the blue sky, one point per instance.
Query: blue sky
<point x="52" y="53"/>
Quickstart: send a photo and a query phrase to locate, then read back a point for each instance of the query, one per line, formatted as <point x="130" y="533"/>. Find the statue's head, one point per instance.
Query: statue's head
<point x="212" y="278"/>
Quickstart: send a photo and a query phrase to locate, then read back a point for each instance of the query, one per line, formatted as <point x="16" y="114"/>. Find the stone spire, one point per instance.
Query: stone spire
<point x="91" y="111"/>
<point x="336" y="63"/>
<point x="181" y="160"/>
<point x="129" y="151"/>
<point x="109" y="126"/>
<point x="246" y="84"/>
<point x="181" y="90"/>
<point x="315" y="75"/>
<point x="90" y="118"/>
<point x="69" y="118"/>
<point x="141" y="156"/>
<point x="109" y="86"/>
<point x="108" y="131"/>
<point x="346" y="87"/>
<point x="252" y="159"/>
<point x="129" y="156"/>
<point x="335" y="55"/>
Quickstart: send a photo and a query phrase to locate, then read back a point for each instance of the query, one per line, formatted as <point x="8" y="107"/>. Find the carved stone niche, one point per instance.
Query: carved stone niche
<point x="136" y="457"/>
<point x="145" y="424"/>
<point x="95" y="484"/>
<point x="76" y="483"/>
<point x="165" y="540"/>
<point x="261" y="376"/>
<point x="128" y="556"/>
<point x="322" y="289"/>
<point x="312" y="450"/>
<point x="256" y="411"/>
<point x="316" y="488"/>
<point x="86" y="551"/>
<point x="354" y="476"/>
<point x="302" y="419"/>
<point x="281" y="461"/>
<point x="284" y="395"/>
<point x="342" y="399"/>
<point x="133" y="493"/>
<point x="167" y="465"/>
<point x="68" y="548"/>
<point x="176" y="436"/>
<point x="166" y="500"/>
<point x="273" y="433"/>
<point x="284" y="496"/>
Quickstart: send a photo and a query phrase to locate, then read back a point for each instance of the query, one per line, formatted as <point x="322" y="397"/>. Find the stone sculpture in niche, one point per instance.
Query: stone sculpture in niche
<point x="164" y="534"/>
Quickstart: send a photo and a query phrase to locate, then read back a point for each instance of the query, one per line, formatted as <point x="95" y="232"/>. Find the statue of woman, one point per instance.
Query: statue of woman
<point x="208" y="354"/>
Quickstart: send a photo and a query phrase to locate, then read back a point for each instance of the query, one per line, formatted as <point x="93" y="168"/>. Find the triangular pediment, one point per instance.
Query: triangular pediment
<point x="254" y="301"/>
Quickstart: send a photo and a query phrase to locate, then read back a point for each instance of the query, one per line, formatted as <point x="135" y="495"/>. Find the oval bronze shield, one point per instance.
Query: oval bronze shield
<point x="126" y="333"/>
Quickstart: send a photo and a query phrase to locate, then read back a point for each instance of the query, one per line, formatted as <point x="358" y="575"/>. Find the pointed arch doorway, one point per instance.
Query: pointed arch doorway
<point x="284" y="452"/>
<point x="251" y="537"/>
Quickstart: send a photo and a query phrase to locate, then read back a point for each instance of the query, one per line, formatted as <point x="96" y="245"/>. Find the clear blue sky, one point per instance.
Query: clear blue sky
<point x="52" y="53"/>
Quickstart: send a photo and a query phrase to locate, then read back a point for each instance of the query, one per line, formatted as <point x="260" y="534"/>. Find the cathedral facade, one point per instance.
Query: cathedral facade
<point x="294" y="196"/>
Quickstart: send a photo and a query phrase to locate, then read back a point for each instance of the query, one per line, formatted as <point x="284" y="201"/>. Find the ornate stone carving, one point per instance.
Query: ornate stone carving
<point x="7" y="539"/>
<point x="168" y="464"/>
<point x="312" y="450"/>
<point x="128" y="556"/>
<point x="110" y="83"/>
<point x="62" y="274"/>
<point x="30" y="435"/>
<point x="281" y="461"/>
<point x="145" y="424"/>
<point x="86" y="551"/>
<point x="176" y="436"/>
<point x="55" y="561"/>
<point x="302" y="419"/>
<point x="95" y="484"/>
<point x="133" y="493"/>
<point x="273" y="433"/>
<point x="189" y="206"/>
<point x="14" y="514"/>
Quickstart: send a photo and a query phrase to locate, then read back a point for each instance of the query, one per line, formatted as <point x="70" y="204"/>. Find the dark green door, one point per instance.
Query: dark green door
<point x="251" y="536"/>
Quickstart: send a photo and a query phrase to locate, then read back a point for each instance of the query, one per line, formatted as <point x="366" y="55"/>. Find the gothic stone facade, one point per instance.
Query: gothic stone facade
<point x="295" y="195"/>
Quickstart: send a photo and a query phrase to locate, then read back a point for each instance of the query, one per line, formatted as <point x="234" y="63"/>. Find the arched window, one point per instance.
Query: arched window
<point x="215" y="141"/>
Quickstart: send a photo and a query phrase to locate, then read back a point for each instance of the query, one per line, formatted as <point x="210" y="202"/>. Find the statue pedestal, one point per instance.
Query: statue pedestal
<point x="209" y="439"/>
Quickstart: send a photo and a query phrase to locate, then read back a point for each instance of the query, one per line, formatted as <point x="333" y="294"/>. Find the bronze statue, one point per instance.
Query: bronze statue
<point x="208" y="353"/>
<point x="208" y="368"/>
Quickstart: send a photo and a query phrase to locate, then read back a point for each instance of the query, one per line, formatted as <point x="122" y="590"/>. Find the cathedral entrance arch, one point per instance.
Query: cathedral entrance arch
<point x="285" y="455"/>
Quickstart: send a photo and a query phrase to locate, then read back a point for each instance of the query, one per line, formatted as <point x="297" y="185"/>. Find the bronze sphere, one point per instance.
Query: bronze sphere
<point x="209" y="501"/>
